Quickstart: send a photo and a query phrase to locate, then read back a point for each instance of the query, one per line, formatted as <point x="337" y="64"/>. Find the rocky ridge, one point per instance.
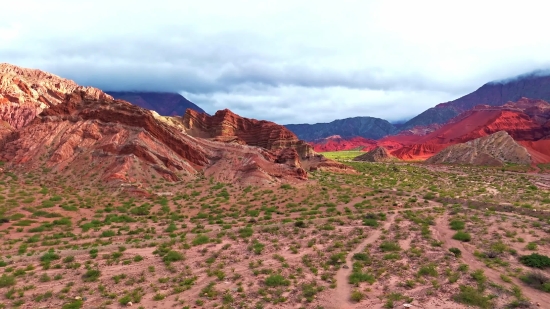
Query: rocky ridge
<point x="378" y="154"/>
<point x="492" y="150"/>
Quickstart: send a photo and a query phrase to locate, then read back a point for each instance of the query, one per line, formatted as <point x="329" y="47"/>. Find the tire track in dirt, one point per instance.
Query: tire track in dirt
<point x="342" y="293"/>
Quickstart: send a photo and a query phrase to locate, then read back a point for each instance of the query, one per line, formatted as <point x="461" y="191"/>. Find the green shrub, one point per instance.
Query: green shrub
<point x="361" y="257"/>
<point x="91" y="275"/>
<point x="390" y="246"/>
<point x="428" y="270"/>
<point x="246" y="232"/>
<point x="108" y="233"/>
<point x="370" y="222"/>
<point x="276" y="280"/>
<point x="455" y="251"/>
<point x="535" y="260"/>
<point x="172" y="256"/>
<point x="356" y="296"/>
<point x="6" y="280"/>
<point x="200" y="240"/>
<point x="357" y="277"/>
<point x="471" y="296"/>
<point x="462" y="236"/>
<point x="49" y="256"/>
<point x="457" y="225"/>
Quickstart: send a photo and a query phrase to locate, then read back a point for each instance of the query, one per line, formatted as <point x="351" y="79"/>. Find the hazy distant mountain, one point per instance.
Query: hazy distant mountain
<point x="164" y="103"/>
<point x="367" y="127"/>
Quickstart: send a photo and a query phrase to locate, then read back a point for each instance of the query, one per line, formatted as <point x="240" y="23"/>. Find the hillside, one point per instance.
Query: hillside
<point x="533" y="85"/>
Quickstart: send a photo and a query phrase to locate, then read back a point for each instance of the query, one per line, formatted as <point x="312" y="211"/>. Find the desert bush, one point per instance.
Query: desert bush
<point x="471" y="296"/>
<point x="200" y="240"/>
<point x="428" y="270"/>
<point x="276" y="280"/>
<point x="49" y="256"/>
<point x="538" y="280"/>
<point x="357" y="296"/>
<point x="6" y="280"/>
<point x="457" y="225"/>
<point x="455" y="251"/>
<point x="390" y="246"/>
<point x="91" y="275"/>
<point x="358" y="277"/>
<point x="172" y="256"/>
<point x="462" y="236"/>
<point x="535" y="260"/>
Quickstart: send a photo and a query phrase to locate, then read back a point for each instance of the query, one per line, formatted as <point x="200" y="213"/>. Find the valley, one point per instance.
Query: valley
<point x="208" y="244"/>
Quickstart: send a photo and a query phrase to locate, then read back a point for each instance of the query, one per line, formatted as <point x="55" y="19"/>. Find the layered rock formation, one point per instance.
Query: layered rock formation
<point x="492" y="150"/>
<point x="164" y="103"/>
<point x="83" y="133"/>
<point x="24" y="93"/>
<point x="229" y="127"/>
<point x="119" y="141"/>
<point x="378" y="154"/>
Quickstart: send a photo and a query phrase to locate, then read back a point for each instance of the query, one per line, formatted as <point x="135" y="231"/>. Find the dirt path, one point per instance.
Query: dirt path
<point x="342" y="293"/>
<point x="444" y="233"/>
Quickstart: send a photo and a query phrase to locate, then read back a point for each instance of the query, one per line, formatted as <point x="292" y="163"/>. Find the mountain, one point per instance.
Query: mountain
<point x="367" y="127"/>
<point x="24" y="93"/>
<point x="337" y="143"/>
<point x="378" y="154"/>
<point x="526" y="121"/>
<point x="492" y="150"/>
<point x="226" y="126"/>
<point x="534" y="85"/>
<point x="164" y="103"/>
<point x="88" y="136"/>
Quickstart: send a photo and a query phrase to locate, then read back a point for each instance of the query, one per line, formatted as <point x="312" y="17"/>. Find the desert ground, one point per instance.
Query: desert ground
<point x="390" y="235"/>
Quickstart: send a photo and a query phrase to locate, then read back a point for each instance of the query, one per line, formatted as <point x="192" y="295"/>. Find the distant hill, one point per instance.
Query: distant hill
<point x="164" y="103"/>
<point x="534" y="85"/>
<point x="367" y="127"/>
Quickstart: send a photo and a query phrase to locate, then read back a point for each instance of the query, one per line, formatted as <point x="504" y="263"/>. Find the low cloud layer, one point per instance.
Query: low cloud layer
<point x="315" y="61"/>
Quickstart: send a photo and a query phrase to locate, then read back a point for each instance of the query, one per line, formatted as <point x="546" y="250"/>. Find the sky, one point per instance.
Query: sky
<point x="284" y="61"/>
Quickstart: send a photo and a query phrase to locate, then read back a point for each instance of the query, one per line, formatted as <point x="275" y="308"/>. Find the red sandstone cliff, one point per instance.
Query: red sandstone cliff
<point x="119" y="141"/>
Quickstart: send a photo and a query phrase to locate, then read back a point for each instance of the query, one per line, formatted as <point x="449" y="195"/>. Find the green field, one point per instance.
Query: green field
<point x="342" y="155"/>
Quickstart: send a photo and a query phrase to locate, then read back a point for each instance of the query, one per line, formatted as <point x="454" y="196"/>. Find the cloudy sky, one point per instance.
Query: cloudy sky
<point x="285" y="61"/>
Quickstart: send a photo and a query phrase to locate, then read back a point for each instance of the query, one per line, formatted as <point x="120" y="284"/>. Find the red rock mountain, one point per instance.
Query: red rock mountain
<point x="84" y="133"/>
<point x="534" y="85"/>
<point x="226" y="126"/>
<point x="526" y="120"/>
<point x="337" y="143"/>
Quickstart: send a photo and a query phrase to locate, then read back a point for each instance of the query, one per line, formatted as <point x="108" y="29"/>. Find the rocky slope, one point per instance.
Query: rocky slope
<point x="367" y="127"/>
<point x="125" y="143"/>
<point x="492" y="150"/>
<point x="85" y="135"/>
<point x="533" y="85"/>
<point x="227" y="126"/>
<point x="24" y="93"/>
<point x="526" y="121"/>
<point x="378" y="154"/>
<point x="337" y="143"/>
<point x="164" y="103"/>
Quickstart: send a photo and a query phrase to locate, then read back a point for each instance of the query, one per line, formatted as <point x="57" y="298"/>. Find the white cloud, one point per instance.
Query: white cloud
<point x="288" y="61"/>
